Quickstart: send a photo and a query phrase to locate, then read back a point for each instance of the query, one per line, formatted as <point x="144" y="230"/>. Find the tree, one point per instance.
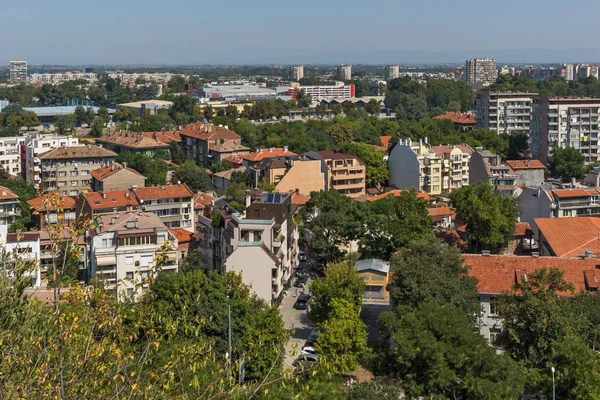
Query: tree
<point x="340" y="133"/>
<point x="97" y="127"/>
<point x="193" y="176"/>
<point x="453" y="106"/>
<point x="336" y="109"/>
<point x="265" y="185"/>
<point x="490" y="217"/>
<point x="304" y="100"/>
<point x="411" y="108"/>
<point x="222" y="165"/>
<point x="340" y="282"/>
<point x="431" y="271"/>
<point x="566" y="163"/>
<point x="177" y="154"/>
<point x="377" y="169"/>
<point x="343" y="337"/>
<point x="231" y="111"/>
<point x="177" y="84"/>
<point x="125" y="115"/>
<point x="348" y="106"/>
<point x="103" y="114"/>
<point x="65" y="123"/>
<point x="29" y="119"/>
<point x="373" y="106"/>
<point x="208" y="112"/>
<point x="184" y="109"/>
<point x="240" y="177"/>
<point x="437" y="354"/>
<point x="191" y="262"/>
<point x="577" y="371"/>
<point x="518" y="146"/>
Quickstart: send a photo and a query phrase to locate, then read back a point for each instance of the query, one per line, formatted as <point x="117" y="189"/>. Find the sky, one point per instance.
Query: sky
<point x="176" y="32"/>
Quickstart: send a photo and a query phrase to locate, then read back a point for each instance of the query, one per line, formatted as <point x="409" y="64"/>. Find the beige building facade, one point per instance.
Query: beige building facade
<point x="504" y="112"/>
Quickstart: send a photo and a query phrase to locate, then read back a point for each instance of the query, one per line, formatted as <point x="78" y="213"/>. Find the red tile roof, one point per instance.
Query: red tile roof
<point x="267" y="153"/>
<point x="569" y="237"/>
<point x="208" y="132"/>
<point x="525" y="164"/>
<point x="458" y="118"/>
<point x="50" y="201"/>
<point x="163" y="192"/>
<point x="396" y="193"/>
<point x="566" y="193"/>
<point x="446" y="149"/>
<point x="132" y="140"/>
<point x="6" y="193"/>
<point x="71" y="152"/>
<point x="298" y="199"/>
<point x="438" y="213"/>
<point x="183" y="236"/>
<point x="201" y="200"/>
<point x="235" y="159"/>
<point x="523" y="229"/>
<point x="104" y="172"/>
<point x="164" y="136"/>
<point x="497" y="274"/>
<point x="111" y="199"/>
<point x="385" y="141"/>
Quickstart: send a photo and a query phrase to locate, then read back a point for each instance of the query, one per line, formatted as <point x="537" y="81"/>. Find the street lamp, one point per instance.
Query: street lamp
<point x="553" y="386"/>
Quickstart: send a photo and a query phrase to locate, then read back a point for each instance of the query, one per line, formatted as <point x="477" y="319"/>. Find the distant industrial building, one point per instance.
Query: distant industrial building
<point x="296" y="72"/>
<point x="151" y="105"/>
<point x="481" y="71"/>
<point x="344" y="72"/>
<point x="18" y="72"/>
<point x="391" y="72"/>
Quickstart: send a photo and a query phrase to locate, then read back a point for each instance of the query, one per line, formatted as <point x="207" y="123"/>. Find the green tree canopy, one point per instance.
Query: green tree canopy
<point x="566" y="163"/>
<point x="193" y="176"/>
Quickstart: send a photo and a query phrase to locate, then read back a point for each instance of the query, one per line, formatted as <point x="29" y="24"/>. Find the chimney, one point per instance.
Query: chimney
<point x="134" y="187"/>
<point x="285" y="149"/>
<point x="127" y="195"/>
<point x="247" y="199"/>
<point x="226" y="127"/>
<point x="425" y="139"/>
<point x="297" y="191"/>
<point x="124" y="165"/>
<point x="573" y="182"/>
<point x="104" y="195"/>
<point x="112" y="167"/>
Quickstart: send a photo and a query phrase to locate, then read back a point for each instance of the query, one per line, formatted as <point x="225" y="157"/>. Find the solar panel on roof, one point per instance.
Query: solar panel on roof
<point x="270" y="198"/>
<point x="276" y="198"/>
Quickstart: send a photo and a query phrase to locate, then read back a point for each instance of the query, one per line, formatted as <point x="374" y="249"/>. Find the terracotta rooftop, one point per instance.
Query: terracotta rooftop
<point x="201" y="200"/>
<point x="111" y="199"/>
<point x="267" y="153"/>
<point x="298" y="199"/>
<point x="523" y="229"/>
<point x="385" y="141"/>
<point x="132" y="140"/>
<point x="446" y="149"/>
<point x="235" y="159"/>
<point x="566" y="193"/>
<point x="569" y="237"/>
<point x="163" y="192"/>
<point x="50" y="201"/>
<point x="164" y="136"/>
<point x="89" y="151"/>
<point x="458" y="118"/>
<point x="7" y="194"/>
<point x="396" y="193"/>
<point x="183" y="236"/>
<point x="438" y="213"/>
<point x="525" y="164"/>
<point x="228" y="147"/>
<point x="104" y="172"/>
<point x="145" y="221"/>
<point x="208" y="132"/>
<point x="332" y="155"/>
<point x="498" y="274"/>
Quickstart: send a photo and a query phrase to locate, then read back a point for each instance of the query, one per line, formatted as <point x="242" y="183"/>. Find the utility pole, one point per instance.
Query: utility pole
<point x="229" y="329"/>
<point x="553" y="385"/>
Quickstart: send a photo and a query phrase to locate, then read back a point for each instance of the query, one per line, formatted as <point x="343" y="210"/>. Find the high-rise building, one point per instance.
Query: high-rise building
<point x="344" y="72"/>
<point x="504" y="112"/>
<point x="18" y="72"/>
<point x="481" y="71"/>
<point x="391" y="72"/>
<point x="296" y="72"/>
<point x="565" y="122"/>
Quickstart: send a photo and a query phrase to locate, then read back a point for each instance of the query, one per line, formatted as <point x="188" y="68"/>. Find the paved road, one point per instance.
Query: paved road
<point x="370" y="312"/>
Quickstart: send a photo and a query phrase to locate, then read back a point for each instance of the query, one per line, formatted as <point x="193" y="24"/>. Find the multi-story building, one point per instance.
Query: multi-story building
<point x="132" y="142"/>
<point x="51" y="208"/>
<point x="9" y="211"/>
<point x="124" y="250"/>
<point x="150" y="107"/>
<point x="346" y="173"/>
<point x="338" y="91"/>
<point x="529" y="172"/>
<point x="18" y="72"/>
<point x="37" y="144"/>
<point x="24" y="247"/>
<point x="94" y="204"/>
<point x="116" y="177"/>
<point x="207" y="144"/>
<point x="174" y="204"/>
<point x="504" y="112"/>
<point x="61" y="77"/>
<point x="541" y="202"/>
<point x="392" y="72"/>
<point x="344" y="72"/>
<point x="487" y="167"/>
<point x="252" y="161"/>
<point x="455" y="165"/>
<point x="12" y="155"/>
<point x="481" y="71"/>
<point x="295" y="173"/>
<point x="158" y="77"/>
<point x="415" y="166"/>
<point x="565" y="122"/>
<point x="68" y="169"/>
<point x="296" y="72"/>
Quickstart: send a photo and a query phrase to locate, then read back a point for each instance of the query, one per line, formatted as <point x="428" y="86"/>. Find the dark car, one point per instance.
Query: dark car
<point x="318" y="268"/>
<point x="301" y="281"/>
<point x="302" y="302"/>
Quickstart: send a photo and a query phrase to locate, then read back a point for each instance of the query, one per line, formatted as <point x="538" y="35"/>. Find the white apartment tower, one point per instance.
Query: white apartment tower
<point x="504" y="112"/>
<point x="18" y="72"/>
<point x="392" y="72"/>
<point x="296" y="72"/>
<point x="344" y="72"/>
<point x="481" y="71"/>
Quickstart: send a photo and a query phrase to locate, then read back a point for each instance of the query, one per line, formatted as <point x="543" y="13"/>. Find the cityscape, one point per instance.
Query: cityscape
<point x="409" y="226"/>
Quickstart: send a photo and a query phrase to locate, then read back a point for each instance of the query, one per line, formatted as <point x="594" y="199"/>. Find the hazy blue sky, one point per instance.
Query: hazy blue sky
<point x="269" y="31"/>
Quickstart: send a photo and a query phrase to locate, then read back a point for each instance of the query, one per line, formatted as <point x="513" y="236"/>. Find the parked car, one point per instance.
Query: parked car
<point x="306" y="360"/>
<point x="302" y="302"/>
<point x="312" y="338"/>
<point x="302" y="256"/>
<point x="318" y="268"/>
<point x="300" y="281"/>
<point x="310" y="350"/>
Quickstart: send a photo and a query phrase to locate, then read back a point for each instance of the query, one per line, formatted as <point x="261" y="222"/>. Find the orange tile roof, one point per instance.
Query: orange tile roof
<point x="298" y="199"/>
<point x="89" y="151"/>
<point x="396" y="193"/>
<point x="497" y="274"/>
<point x="6" y="193"/>
<point x="132" y="140"/>
<point x="201" y="200"/>
<point x="525" y="164"/>
<point x="440" y="211"/>
<point x="163" y="192"/>
<point x="104" y="172"/>
<point x="385" y="141"/>
<point x="567" y="193"/>
<point x="208" y="132"/>
<point x="183" y="236"/>
<point x="569" y="237"/>
<point x="163" y="136"/>
<point x="446" y="149"/>
<point x="111" y="199"/>
<point x="50" y="201"/>
<point x="267" y="153"/>
<point x="235" y="159"/>
<point x="458" y="118"/>
<point x="523" y="229"/>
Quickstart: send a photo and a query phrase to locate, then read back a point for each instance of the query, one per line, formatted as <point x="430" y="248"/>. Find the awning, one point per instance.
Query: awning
<point x="106" y="260"/>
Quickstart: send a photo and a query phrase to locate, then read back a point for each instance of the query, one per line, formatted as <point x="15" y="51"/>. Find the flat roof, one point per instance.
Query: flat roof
<point x="138" y="104"/>
<point x="60" y="110"/>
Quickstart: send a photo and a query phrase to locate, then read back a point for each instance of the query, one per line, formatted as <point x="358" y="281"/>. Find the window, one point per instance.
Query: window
<point x="73" y="192"/>
<point x="436" y="187"/>
<point x="104" y="242"/>
<point x="129" y="275"/>
<point x="146" y="260"/>
<point x="493" y="306"/>
<point x="129" y="292"/>
<point x="128" y="259"/>
<point x="494" y="336"/>
<point x="144" y="274"/>
<point x="73" y="183"/>
<point x="257" y="236"/>
<point x="85" y="172"/>
<point x="52" y="218"/>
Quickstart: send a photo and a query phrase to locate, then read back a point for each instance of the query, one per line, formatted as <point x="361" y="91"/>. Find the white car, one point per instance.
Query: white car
<point x="302" y="256"/>
<point x="310" y="350"/>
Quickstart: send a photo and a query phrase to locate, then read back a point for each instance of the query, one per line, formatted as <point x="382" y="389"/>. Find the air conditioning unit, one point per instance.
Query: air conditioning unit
<point x="137" y="263"/>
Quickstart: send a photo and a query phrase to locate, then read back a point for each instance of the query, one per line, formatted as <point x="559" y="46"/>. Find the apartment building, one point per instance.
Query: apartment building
<point x="116" y="177"/>
<point x="94" y="204"/>
<point x="24" y="248"/>
<point x="344" y="72"/>
<point x="346" y="173"/>
<point x="37" y="144"/>
<point x="132" y="142"/>
<point x="529" y="172"/>
<point x="174" y="204"/>
<point x="18" y="72"/>
<point x="124" y="250"/>
<point x="455" y="165"/>
<point x="207" y="144"/>
<point x="565" y="122"/>
<point x="157" y="77"/>
<point x="295" y="173"/>
<point x="9" y="211"/>
<point x="68" y="169"/>
<point x="203" y="208"/>
<point x="338" y="91"/>
<point x="150" y="107"/>
<point x="504" y="112"/>
<point x="296" y="72"/>
<point x="61" y="77"/>
<point x="481" y="71"/>
<point x="12" y="154"/>
<point x="252" y="161"/>
<point x="416" y="166"/>
<point x="392" y="72"/>
<point x="487" y="167"/>
<point x="51" y="208"/>
<point x="540" y="202"/>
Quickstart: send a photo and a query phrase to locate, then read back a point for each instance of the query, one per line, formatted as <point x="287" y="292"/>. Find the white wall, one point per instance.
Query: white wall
<point x="255" y="267"/>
